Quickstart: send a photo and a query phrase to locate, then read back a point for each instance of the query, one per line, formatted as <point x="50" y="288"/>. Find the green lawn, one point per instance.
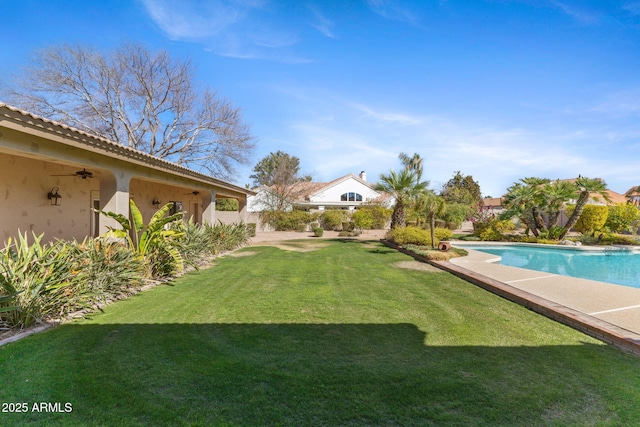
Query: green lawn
<point x="335" y="336"/>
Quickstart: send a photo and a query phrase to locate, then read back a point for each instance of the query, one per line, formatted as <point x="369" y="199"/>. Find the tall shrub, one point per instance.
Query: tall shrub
<point x="593" y="219"/>
<point x="287" y="221"/>
<point x="332" y="219"/>
<point x="621" y="217"/>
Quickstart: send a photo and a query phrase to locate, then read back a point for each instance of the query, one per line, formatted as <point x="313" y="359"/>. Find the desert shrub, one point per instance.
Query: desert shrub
<point x="456" y="213"/>
<point x="332" y="219"/>
<point x="228" y="205"/>
<point x="621" y="217"/>
<point x="287" y="221"/>
<point x="318" y="231"/>
<point x="348" y="225"/>
<point x="409" y="235"/>
<point x="251" y="229"/>
<point x="362" y="219"/>
<point x="443" y="233"/>
<point x="493" y="229"/>
<point x="371" y="217"/>
<point x="592" y="219"/>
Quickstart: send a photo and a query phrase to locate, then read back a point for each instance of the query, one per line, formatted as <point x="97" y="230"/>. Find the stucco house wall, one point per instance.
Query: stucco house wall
<point x="24" y="185"/>
<point x="38" y="155"/>
<point x="351" y="184"/>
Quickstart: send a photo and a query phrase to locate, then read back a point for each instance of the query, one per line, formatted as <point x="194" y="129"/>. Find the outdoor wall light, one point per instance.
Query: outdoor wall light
<point x="155" y="202"/>
<point x="54" y="196"/>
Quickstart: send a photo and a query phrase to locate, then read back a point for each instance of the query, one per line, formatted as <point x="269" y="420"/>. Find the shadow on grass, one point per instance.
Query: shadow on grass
<point x="298" y="374"/>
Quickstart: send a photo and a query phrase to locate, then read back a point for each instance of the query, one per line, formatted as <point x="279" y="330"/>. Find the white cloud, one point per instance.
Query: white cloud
<point x="632" y="8"/>
<point x="322" y="23"/>
<point x="394" y="10"/>
<point x="184" y="19"/>
<point x="582" y="14"/>
<point x="232" y="28"/>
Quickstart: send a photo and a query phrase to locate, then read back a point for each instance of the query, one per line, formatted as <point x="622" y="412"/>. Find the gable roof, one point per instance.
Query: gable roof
<point x="323" y="186"/>
<point x="633" y="191"/>
<point x="23" y="121"/>
<point x="492" y="202"/>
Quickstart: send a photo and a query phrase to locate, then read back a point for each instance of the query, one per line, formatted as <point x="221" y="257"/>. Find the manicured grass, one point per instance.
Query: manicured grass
<point x="335" y="336"/>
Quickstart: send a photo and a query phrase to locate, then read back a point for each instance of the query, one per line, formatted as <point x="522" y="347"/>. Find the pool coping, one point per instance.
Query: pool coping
<point x="597" y="328"/>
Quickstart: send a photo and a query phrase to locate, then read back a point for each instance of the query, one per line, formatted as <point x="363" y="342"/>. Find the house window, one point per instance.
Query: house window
<point x="351" y="197"/>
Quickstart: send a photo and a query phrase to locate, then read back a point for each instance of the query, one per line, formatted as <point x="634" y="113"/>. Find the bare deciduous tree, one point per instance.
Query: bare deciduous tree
<point x="279" y="174"/>
<point x="140" y="99"/>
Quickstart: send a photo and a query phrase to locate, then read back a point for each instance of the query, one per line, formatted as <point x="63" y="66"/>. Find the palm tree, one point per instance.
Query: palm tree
<point x="520" y="201"/>
<point x="432" y="206"/>
<point x="585" y="186"/>
<point x="413" y="164"/>
<point x="556" y="195"/>
<point x="401" y="185"/>
<point x="538" y="188"/>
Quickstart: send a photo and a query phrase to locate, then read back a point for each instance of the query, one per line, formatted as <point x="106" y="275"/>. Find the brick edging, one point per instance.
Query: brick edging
<point x="589" y="325"/>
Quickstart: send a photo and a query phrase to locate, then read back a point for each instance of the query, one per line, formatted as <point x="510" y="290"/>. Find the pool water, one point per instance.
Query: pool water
<point x="612" y="266"/>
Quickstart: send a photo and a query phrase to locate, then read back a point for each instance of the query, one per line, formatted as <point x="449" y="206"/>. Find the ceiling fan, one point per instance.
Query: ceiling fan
<point x="84" y="174"/>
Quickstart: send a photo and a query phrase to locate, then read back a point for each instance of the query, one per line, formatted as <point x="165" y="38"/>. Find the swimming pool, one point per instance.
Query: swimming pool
<point x="621" y="267"/>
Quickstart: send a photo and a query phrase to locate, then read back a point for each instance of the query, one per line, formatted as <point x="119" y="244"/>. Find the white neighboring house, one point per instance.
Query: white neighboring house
<point x="347" y="192"/>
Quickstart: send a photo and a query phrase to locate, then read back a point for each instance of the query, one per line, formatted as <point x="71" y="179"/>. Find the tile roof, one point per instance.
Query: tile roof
<point x="108" y="147"/>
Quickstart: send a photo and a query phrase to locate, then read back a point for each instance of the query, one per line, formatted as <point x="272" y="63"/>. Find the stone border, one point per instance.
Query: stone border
<point x="589" y="325"/>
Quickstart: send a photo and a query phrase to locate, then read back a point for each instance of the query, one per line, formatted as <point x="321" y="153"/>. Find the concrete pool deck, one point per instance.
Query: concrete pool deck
<point x="606" y="311"/>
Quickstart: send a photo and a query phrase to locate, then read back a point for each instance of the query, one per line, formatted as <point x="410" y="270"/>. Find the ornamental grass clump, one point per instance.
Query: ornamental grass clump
<point x="34" y="281"/>
<point x="40" y="282"/>
<point x="104" y="271"/>
<point x="227" y="237"/>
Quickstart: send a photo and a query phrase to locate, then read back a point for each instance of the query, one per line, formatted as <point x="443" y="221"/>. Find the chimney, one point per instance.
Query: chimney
<point x="363" y="175"/>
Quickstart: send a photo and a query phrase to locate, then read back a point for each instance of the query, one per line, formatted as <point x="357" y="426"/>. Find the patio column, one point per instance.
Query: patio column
<point x="242" y="209"/>
<point x="114" y="197"/>
<point x="209" y="207"/>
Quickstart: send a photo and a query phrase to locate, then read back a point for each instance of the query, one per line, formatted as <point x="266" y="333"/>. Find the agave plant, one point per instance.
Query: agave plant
<point x="156" y="242"/>
<point x="33" y="280"/>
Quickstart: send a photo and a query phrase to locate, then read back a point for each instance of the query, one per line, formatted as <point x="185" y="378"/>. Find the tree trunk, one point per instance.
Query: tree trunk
<point x="553" y="219"/>
<point x="529" y="220"/>
<point x="575" y="216"/>
<point x="537" y="217"/>
<point x="432" y="224"/>
<point x="398" y="217"/>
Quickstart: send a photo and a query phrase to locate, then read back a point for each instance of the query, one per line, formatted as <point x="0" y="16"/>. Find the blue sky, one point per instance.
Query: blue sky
<point x="499" y="89"/>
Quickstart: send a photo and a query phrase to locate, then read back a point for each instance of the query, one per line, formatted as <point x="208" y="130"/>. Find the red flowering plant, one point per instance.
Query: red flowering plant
<point x="482" y="217"/>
